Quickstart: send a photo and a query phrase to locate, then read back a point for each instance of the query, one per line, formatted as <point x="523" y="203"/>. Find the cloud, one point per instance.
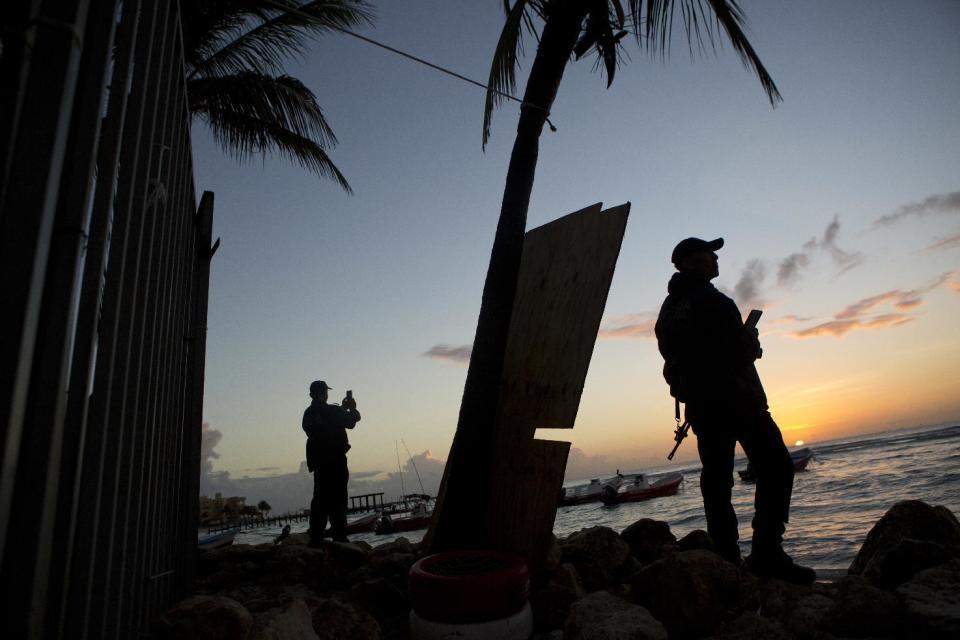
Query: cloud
<point x="419" y="468"/>
<point x="631" y="325"/>
<point x="460" y="354"/>
<point x="942" y="203"/>
<point x="902" y="300"/>
<point x="851" y="317"/>
<point x="791" y="267"/>
<point x="842" y="327"/>
<point x="209" y="439"/>
<point x="955" y="286"/>
<point x="945" y="243"/>
<point x="789" y="270"/>
<point x="747" y="289"/>
<point x="844" y="260"/>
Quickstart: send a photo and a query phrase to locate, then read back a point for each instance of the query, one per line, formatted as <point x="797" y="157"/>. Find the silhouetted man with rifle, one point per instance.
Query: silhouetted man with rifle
<point x="709" y="359"/>
<point x="327" y="446"/>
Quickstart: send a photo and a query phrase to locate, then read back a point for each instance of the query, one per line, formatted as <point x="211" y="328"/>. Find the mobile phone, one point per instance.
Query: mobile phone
<point x="753" y="318"/>
<point x="350" y="393"/>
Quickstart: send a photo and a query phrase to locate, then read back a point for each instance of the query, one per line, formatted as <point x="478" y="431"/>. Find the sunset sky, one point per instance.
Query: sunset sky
<point x="840" y="210"/>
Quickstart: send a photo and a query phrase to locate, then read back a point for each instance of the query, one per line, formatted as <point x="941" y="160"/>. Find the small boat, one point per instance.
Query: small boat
<point x="217" y="540"/>
<point x="363" y="523"/>
<point x="640" y="488"/>
<point x="583" y="493"/>
<point x="419" y="518"/>
<point x="800" y="459"/>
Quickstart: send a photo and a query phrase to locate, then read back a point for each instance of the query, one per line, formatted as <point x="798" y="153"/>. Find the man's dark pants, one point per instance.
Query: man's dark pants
<point x="329" y="499"/>
<point x="718" y="432"/>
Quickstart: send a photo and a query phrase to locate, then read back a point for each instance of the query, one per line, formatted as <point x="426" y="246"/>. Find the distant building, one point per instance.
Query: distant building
<point x="218" y="508"/>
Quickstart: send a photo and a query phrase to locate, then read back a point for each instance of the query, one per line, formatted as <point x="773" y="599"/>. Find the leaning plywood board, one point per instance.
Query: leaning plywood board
<point x="565" y="276"/>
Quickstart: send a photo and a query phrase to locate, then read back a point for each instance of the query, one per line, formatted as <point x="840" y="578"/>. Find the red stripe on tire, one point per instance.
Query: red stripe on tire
<point x="469" y="586"/>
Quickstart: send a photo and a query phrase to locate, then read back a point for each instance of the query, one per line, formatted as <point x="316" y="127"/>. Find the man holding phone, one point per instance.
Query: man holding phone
<point x="709" y="356"/>
<point x="327" y="446"/>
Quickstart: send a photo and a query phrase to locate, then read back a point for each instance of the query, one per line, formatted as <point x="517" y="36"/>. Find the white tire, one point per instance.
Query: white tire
<point x="519" y="626"/>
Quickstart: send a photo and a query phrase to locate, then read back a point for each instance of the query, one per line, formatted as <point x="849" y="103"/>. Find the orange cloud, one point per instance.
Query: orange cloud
<point x="945" y="243"/>
<point x="844" y="326"/>
<point x="632" y="325"/>
<point x="902" y="300"/>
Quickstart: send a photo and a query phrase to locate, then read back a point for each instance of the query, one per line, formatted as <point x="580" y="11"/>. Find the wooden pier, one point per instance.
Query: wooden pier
<point x="358" y="504"/>
<point x="257" y="521"/>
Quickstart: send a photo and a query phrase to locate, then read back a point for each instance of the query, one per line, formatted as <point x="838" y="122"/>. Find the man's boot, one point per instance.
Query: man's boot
<point x="771" y="561"/>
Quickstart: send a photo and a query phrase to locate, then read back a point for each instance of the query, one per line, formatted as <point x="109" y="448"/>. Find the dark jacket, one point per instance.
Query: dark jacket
<point x="325" y="426"/>
<point x="702" y="339"/>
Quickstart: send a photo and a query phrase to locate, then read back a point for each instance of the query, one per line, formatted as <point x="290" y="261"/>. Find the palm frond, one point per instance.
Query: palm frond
<point x="252" y="113"/>
<point x="731" y="19"/>
<point x="727" y="16"/>
<point x="598" y="34"/>
<point x="267" y="35"/>
<point x="503" y="68"/>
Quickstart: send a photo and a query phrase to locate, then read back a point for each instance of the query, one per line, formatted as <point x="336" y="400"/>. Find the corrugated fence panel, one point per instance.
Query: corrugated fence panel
<point x="101" y="378"/>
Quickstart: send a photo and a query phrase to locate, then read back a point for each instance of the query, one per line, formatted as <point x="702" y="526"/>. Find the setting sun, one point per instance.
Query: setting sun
<point x="799" y="442"/>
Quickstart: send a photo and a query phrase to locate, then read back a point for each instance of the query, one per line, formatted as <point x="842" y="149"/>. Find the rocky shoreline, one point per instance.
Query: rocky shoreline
<point x="640" y="584"/>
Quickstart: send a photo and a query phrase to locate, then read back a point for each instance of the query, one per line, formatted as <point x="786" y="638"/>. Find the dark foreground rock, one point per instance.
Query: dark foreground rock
<point x="598" y="585"/>
<point x="910" y="537"/>
<point x="601" y="616"/>
<point x="598" y="553"/>
<point x="690" y="592"/>
<point x="932" y="601"/>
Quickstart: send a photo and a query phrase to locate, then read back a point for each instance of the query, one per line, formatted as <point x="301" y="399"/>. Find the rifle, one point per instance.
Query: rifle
<point x="679" y="435"/>
<point x="681" y="431"/>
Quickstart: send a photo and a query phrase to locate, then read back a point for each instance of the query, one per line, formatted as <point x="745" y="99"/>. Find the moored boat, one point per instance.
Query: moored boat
<point x="217" y="540"/>
<point x="641" y="488"/>
<point x="800" y="459"/>
<point x="592" y="492"/>
<point x="419" y="518"/>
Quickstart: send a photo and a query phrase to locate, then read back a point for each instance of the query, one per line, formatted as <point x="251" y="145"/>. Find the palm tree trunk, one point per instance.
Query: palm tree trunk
<point x="466" y="485"/>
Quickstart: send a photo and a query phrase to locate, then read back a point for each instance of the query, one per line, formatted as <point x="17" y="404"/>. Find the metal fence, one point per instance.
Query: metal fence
<point x="104" y="257"/>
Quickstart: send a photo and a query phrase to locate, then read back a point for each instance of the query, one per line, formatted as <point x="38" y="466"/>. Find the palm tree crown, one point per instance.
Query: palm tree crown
<point x="603" y="27"/>
<point x="234" y="50"/>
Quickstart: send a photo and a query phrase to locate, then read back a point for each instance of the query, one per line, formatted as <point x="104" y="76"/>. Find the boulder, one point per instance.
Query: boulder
<point x="809" y="615"/>
<point x="266" y="564"/>
<point x="258" y="598"/>
<point x="751" y="626"/>
<point x="551" y="603"/>
<point x="335" y="620"/>
<point x="862" y="610"/>
<point x="566" y="576"/>
<point x="601" y="616"/>
<point x="647" y="539"/>
<point x="391" y="560"/>
<point x="690" y="592"/>
<point x="912" y="556"/>
<point x="205" y="618"/>
<point x="292" y="622"/>
<point x="382" y="599"/>
<point x="551" y="606"/>
<point x="774" y="599"/>
<point x="908" y="520"/>
<point x="296" y="540"/>
<point x="696" y="539"/>
<point x="346" y="556"/>
<point x="932" y="601"/>
<point x="597" y="553"/>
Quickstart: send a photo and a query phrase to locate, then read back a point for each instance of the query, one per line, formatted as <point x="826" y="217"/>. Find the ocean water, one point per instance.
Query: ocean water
<point x="848" y="485"/>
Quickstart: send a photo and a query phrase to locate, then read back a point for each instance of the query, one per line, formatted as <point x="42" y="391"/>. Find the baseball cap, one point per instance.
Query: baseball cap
<point x="693" y="245"/>
<point x="317" y="386"/>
